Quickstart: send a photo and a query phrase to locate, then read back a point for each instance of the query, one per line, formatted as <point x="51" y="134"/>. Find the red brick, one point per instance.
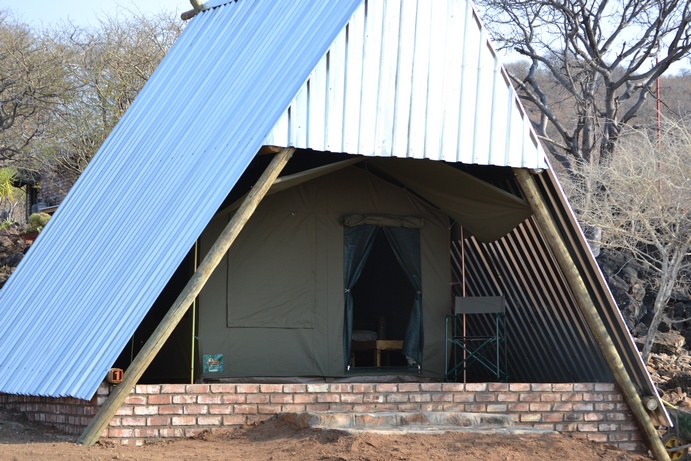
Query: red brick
<point x="160" y="399"/>
<point x="158" y="421"/>
<point x="463" y="397"/>
<point x="183" y="420"/>
<point x="476" y="407"/>
<point x="270" y="388"/>
<point x="150" y="410"/>
<point x="221" y="409"/>
<point x="562" y="387"/>
<point x="134" y="421"/>
<point x="408" y="387"/>
<point x="476" y="387"/>
<point x="135" y="400"/>
<point x="124" y="410"/>
<point x="569" y="427"/>
<point x="442" y="397"/>
<point x="328" y="398"/>
<point x="245" y="409"/>
<point x="235" y="398"/>
<point x="317" y="388"/>
<point x="420" y="398"/>
<point x="373" y="398"/>
<point x="605" y="387"/>
<point x="430" y="387"/>
<point x="386" y="387"/>
<point x="148" y="432"/>
<point x="193" y="431"/>
<point x="615" y="417"/>
<point x="452" y="387"/>
<point x="573" y="417"/>
<point x="268" y="409"/>
<point x="597" y="437"/>
<point x="247" y="388"/>
<point x="172" y="388"/>
<point x="170" y="410"/>
<point x="407" y="407"/>
<point x="222" y="388"/>
<point x="604" y="406"/>
<point x="519" y="387"/>
<point x="209" y="420"/>
<point x="518" y="407"/>
<point x="498" y="387"/>
<point x="363" y="388"/>
<point x="310" y="398"/>
<point x="541" y="387"/>
<point x="592" y="397"/>
<point x="341" y="387"/>
<point x="485" y="397"/>
<point x="553" y="417"/>
<point x="571" y="397"/>
<point x="147" y="389"/>
<point x="196" y="409"/>
<point x="562" y="407"/>
<point x="171" y="432"/>
<point x="593" y="417"/>
<point x="587" y="427"/>
<point x="583" y="387"/>
<point x="185" y="399"/>
<point x="604" y="427"/>
<point x="295" y="388"/>
<point x="234" y="420"/>
<point x="197" y="388"/>
<point x="496" y="408"/>
<point x="551" y="397"/>
<point x="529" y="397"/>
<point x="543" y="407"/>
<point x="583" y="407"/>
<point x="530" y="417"/>
<point x="282" y="398"/>
<point x="257" y="398"/>
<point x="617" y="437"/>
<point x="118" y="433"/>
<point x="397" y="398"/>
<point x="209" y="399"/>
<point x="345" y="398"/>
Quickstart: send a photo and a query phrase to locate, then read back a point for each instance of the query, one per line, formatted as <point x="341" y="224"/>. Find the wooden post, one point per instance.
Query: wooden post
<point x="587" y="308"/>
<point x="185" y="299"/>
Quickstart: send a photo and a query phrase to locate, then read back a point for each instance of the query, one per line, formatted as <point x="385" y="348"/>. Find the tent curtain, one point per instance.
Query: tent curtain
<point x="357" y="245"/>
<point x="405" y="243"/>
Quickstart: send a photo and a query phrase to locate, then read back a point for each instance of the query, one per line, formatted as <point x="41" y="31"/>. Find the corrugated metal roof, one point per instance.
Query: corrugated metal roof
<point x="124" y="228"/>
<point x="413" y="79"/>
<point x="549" y="340"/>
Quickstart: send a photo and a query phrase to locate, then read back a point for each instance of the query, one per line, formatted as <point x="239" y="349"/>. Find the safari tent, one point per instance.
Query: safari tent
<point x="415" y="178"/>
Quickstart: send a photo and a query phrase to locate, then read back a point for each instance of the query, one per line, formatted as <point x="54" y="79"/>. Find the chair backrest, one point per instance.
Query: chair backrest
<point x="479" y="305"/>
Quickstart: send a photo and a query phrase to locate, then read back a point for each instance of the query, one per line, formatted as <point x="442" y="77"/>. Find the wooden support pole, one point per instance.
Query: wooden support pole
<point x="185" y="299"/>
<point x="587" y="308"/>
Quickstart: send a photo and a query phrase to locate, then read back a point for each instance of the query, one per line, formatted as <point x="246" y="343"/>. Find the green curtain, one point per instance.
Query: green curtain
<point x="357" y="245"/>
<point x="405" y="243"/>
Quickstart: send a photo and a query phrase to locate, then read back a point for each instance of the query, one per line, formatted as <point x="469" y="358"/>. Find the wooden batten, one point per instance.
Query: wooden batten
<point x="585" y="303"/>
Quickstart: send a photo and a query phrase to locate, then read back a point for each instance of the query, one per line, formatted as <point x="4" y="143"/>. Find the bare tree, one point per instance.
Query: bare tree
<point x="644" y="210"/>
<point x="109" y="65"/>
<point x="600" y="57"/>
<point x="32" y="80"/>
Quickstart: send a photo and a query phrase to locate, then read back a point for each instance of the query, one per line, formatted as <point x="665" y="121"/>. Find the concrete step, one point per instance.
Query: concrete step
<point x="387" y="422"/>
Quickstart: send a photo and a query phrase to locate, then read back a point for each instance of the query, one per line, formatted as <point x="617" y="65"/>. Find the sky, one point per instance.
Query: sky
<point x="85" y="12"/>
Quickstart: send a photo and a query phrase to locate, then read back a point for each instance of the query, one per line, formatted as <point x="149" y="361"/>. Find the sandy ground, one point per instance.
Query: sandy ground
<point x="282" y="441"/>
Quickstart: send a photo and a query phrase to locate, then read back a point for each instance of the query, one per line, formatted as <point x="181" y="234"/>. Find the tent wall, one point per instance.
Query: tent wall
<point x="275" y="306"/>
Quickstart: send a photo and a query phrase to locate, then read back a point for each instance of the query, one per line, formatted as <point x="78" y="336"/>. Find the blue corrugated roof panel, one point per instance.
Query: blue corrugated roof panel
<point x="94" y="272"/>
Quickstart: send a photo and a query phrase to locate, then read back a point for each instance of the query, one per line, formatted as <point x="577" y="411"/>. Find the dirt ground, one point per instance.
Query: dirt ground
<point x="282" y="441"/>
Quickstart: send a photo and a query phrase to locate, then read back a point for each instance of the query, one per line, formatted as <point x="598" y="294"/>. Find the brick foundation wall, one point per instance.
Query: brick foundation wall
<point x="594" y="411"/>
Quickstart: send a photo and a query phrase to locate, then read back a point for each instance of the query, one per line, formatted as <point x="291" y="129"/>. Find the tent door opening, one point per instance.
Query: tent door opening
<point x="383" y="301"/>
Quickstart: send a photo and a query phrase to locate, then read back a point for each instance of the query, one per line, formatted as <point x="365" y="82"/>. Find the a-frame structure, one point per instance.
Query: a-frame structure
<point x="375" y="78"/>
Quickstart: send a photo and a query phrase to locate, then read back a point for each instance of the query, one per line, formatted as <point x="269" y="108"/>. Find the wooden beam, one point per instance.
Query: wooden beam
<point x="185" y="299"/>
<point x="587" y="308"/>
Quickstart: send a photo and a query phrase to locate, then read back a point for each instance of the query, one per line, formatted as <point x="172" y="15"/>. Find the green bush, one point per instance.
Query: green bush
<point x="38" y="221"/>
